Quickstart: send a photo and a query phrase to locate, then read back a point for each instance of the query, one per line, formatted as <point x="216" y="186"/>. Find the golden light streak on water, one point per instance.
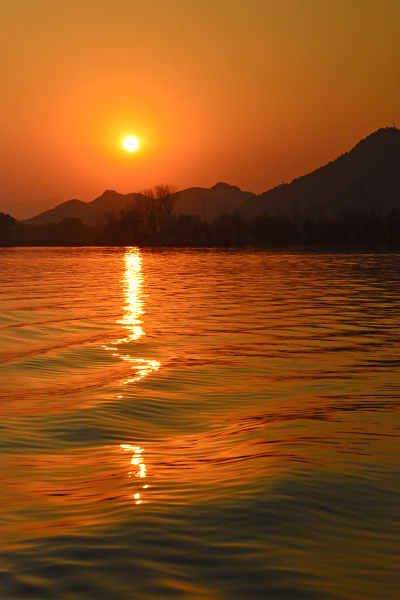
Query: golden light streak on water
<point x="133" y="283"/>
<point x="137" y="461"/>
<point x="131" y="320"/>
<point x="133" y="309"/>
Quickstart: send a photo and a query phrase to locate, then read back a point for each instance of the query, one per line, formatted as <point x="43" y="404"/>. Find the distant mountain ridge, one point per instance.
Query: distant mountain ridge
<point x="89" y="212"/>
<point x="204" y="202"/>
<point x="213" y="202"/>
<point x="368" y="176"/>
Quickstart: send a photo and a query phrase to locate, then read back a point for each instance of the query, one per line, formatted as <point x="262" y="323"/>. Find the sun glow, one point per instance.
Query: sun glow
<point x="131" y="144"/>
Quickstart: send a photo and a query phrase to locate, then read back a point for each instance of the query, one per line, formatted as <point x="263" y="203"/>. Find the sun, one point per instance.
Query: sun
<point x="131" y="144"/>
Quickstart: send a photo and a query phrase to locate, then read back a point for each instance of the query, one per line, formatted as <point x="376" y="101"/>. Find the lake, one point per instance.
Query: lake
<point x="199" y="424"/>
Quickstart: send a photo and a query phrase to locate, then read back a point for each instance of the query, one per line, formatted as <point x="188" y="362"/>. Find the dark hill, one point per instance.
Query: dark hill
<point x="204" y="202"/>
<point x="89" y="212"/>
<point x="70" y="208"/>
<point x="367" y="177"/>
<point x="211" y="203"/>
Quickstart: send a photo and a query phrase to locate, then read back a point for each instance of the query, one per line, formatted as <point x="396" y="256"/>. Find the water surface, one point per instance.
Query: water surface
<point x="199" y="424"/>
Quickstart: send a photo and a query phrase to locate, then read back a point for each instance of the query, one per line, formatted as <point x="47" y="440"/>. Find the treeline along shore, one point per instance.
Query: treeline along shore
<point x="130" y="227"/>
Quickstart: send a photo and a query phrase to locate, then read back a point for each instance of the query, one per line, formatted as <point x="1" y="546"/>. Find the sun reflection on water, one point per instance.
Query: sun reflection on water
<point x="133" y="284"/>
<point x="132" y="323"/>
<point x="138" y="464"/>
<point x="131" y="320"/>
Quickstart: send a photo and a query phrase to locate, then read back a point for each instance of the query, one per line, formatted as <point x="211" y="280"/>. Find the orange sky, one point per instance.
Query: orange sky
<point x="251" y="92"/>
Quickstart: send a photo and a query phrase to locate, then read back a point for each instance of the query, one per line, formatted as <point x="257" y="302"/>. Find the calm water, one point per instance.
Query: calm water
<point x="199" y="425"/>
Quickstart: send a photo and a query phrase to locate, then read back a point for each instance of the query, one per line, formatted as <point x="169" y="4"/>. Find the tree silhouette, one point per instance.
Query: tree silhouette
<point x="156" y="205"/>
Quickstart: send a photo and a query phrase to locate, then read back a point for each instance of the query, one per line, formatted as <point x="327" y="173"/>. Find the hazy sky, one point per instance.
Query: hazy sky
<point x="251" y="92"/>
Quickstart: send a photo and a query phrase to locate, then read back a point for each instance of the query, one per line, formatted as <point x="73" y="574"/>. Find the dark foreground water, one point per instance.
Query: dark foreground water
<point x="199" y="425"/>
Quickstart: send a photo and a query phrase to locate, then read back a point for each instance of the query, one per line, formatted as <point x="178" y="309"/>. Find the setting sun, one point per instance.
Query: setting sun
<point x="131" y="144"/>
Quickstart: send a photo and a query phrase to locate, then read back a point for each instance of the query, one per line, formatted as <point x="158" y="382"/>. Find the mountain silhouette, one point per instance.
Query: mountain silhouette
<point x="206" y="203"/>
<point x="366" y="178"/>
<point x="89" y="212"/>
<point x="210" y="203"/>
